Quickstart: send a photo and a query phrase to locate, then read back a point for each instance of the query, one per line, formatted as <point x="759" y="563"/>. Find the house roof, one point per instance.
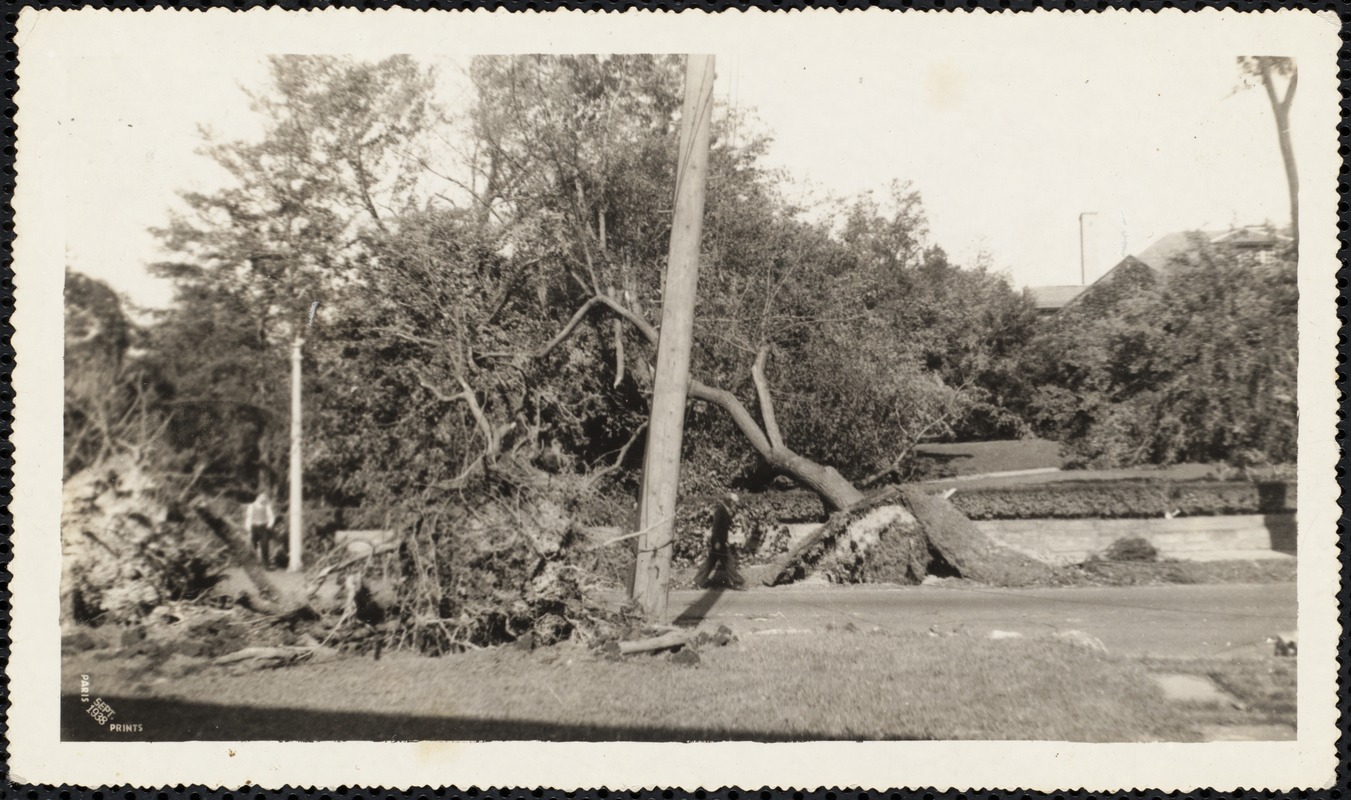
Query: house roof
<point x="1251" y="236"/>
<point x="1118" y="270"/>
<point x="1161" y="253"/>
<point x="1053" y="298"/>
<point x="1159" y="257"/>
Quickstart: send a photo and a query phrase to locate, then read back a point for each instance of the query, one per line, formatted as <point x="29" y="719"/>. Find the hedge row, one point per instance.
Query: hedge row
<point x="1122" y="500"/>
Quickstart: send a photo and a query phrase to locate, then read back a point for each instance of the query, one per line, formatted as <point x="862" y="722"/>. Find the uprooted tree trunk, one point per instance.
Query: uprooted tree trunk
<point x="937" y="531"/>
<point x="928" y="535"/>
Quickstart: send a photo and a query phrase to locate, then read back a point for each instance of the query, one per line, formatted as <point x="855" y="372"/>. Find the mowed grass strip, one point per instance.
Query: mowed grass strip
<point x="794" y="686"/>
<point x="979" y="458"/>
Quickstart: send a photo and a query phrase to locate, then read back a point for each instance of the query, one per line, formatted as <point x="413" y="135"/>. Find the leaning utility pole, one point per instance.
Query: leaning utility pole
<point x="296" y="559"/>
<point x="661" y="462"/>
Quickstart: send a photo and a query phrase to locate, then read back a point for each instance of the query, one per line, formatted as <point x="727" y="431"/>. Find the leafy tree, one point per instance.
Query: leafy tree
<point x="786" y="308"/>
<point x="1198" y="367"/>
<point x="453" y="350"/>
<point x="949" y="338"/>
<point x="1231" y="360"/>
<point x="258" y="259"/>
<point x="113" y="393"/>
<point x="1093" y="355"/>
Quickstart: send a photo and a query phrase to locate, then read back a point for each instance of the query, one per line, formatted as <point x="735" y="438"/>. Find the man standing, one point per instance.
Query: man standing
<point x="720" y="566"/>
<point x="259" y="518"/>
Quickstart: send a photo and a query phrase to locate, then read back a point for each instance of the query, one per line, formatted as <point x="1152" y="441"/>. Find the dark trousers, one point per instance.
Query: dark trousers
<point x="260" y="537"/>
<point x="720" y="568"/>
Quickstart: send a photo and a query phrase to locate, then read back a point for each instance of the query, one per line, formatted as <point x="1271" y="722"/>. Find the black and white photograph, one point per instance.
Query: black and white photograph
<point x="942" y="385"/>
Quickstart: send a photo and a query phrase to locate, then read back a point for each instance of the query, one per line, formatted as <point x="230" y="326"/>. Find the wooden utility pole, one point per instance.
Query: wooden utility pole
<point x="297" y="536"/>
<point x="666" y="429"/>
<point x="1083" y="269"/>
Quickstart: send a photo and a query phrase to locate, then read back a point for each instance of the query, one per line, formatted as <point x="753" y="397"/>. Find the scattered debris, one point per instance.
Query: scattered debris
<point x="1082" y="639"/>
<point x="1286" y="644"/>
<point x="125" y="548"/>
<point x="359" y="542"/>
<point x="666" y="641"/>
<point x="272" y="657"/>
<point x="685" y="657"/>
<point x="946" y="630"/>
<point x="673" y="640"/>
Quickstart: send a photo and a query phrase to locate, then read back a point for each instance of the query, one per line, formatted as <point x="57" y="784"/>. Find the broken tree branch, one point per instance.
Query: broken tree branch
<point x="766" y="399"/>
<point x="836" y="492"/>
<point x="664" y="642"/>
<point x="567" y="329"/>
<point x="619" y="459"/>
<point x="484" y="426"/>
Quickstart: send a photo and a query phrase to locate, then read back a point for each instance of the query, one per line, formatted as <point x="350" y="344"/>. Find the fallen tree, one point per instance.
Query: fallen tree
<point x="902" y="535"/>
<point x="936" y="532"/>
<point x="835" y="492"/>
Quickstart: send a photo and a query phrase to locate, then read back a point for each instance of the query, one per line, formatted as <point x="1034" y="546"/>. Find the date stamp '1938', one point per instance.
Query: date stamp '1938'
<point x="102" y="713"/>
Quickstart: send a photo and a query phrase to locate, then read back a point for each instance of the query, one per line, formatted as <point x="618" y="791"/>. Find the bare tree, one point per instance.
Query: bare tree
<point x="1269" y="69"/>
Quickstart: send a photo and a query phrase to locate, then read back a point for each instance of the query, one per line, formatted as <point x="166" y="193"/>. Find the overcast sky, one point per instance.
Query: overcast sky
<point x="1007" y="150"/>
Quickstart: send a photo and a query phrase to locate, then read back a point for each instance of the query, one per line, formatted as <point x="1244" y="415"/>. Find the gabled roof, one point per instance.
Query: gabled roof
<point x="1252" y="235"/>
<point x="1159" y="257"/>
<point x="1161" y="253"/>
<point x="1053" y="298"/>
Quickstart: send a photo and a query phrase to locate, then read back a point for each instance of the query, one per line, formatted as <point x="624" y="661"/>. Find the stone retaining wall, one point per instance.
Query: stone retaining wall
<point x="1068" y="541"/>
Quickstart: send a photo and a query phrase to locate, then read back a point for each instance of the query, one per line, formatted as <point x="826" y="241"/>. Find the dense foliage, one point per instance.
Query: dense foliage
<point x="424" y="311"/>
<point x="1196" y="366"/>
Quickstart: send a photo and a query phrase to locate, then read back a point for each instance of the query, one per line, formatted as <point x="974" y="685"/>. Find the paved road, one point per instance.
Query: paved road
<point x="1170" y="620"/>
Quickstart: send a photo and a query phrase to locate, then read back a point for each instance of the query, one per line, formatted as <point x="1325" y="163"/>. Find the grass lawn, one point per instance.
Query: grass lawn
<point x="1264" y="689"/>
<point x="959" y="460"/>
<point x="978" y="458"/>
<point x="1144" y="573"/>
<point x="804" y="686"/>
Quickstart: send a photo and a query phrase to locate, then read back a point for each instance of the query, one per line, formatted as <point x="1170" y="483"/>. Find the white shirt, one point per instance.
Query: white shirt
<point x="259" y="512"/>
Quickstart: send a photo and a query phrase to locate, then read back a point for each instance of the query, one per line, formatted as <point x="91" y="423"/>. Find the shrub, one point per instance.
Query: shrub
<point x="1131" y="548"/>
